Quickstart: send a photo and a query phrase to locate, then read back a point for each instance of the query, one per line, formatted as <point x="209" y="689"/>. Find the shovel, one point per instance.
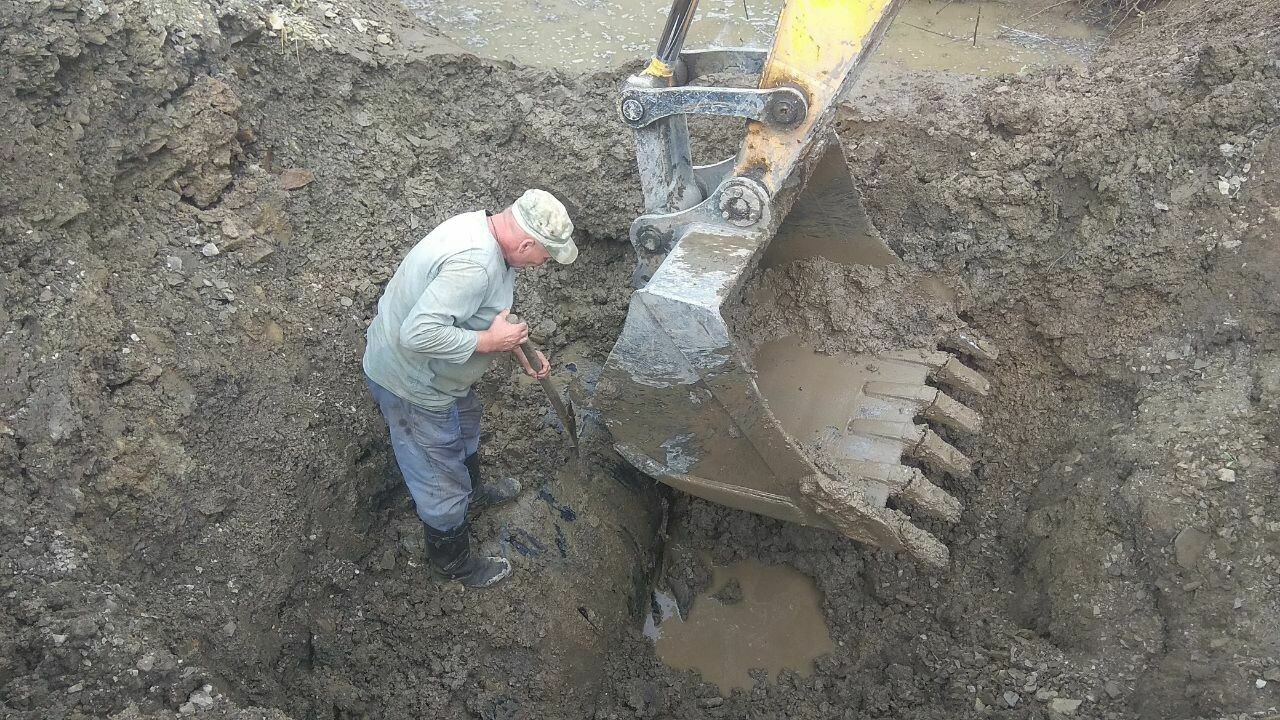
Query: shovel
<point x="553" y="395"/>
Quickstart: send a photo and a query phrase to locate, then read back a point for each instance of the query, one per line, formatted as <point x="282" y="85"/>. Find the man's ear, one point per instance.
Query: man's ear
<point x="527" y="244"/>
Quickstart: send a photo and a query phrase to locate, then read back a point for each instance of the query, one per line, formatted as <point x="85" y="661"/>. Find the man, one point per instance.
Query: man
<point x="441" y="321"/>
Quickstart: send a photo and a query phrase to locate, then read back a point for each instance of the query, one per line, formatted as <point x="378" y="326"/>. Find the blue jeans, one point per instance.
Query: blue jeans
<point x="431" y="448"/>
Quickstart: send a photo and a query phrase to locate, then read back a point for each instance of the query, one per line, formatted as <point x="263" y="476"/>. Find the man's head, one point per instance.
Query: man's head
<point x="535" y="229"/>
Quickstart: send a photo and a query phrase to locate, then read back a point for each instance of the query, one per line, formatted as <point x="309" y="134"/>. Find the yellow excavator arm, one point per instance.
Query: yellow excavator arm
<point x="695" y="405"/>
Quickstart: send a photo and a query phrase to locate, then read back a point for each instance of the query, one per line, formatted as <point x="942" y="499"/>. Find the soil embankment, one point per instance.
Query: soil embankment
<point x="199" y="212"/>
<point x="201" y="201"/>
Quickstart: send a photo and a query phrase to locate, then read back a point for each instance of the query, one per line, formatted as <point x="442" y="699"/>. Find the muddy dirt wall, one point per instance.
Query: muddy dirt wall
<point x="200" y="514"/>
<point x="199" y="212"/>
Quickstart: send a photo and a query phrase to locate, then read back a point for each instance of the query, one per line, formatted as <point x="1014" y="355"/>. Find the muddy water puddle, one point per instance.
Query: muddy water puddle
<point x="753" y="616"/>
<point x="959" y="36"/>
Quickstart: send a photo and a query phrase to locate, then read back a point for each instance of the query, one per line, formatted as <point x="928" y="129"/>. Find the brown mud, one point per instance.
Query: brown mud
<point x="200" y="514"/>
<point x="754" y="617"/>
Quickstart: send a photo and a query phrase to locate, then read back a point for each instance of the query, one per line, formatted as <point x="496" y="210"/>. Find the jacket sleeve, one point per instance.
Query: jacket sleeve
<point x="454" y="296"/>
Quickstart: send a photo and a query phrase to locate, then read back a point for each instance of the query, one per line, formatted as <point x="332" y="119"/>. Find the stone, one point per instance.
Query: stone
<point x="146" y="663"/>
<point x="209" y="250"/>
<point x="187" y="708"/>
<point x="1064" y="706"/>
<point x="1272" y="674"/>
<point x="295" y="178"/>
<point x="46" y="295"/>
<point x="273" y="333"/>
<point x="202" y="698"/>
<point x="383" y="38"/>
<point x="258" y="253"/>
<point x="1011" y="698"/>
<point x="1226" y="475"/>
<point x="1112" y="688"/>
<point x="229" y="629"/>
<point x="83" y="627"/>
<point x="233" y="228"/>
<point x="1189" y="545"/>
<point x="387" y="561"/>
<point x="730" y="594"/>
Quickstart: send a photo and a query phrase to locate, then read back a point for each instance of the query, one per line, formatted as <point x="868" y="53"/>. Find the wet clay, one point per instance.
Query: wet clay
<point x="773" y="620"/>
<point x="809" y="392"/>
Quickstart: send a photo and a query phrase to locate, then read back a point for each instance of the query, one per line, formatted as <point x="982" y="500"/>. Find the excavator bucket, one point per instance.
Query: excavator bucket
<point x="845" y="442"/>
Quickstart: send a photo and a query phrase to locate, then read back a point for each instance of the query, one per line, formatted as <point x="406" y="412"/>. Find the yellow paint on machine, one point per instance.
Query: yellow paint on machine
<point x="816" y="37"/>
<point x="817" y="45"/>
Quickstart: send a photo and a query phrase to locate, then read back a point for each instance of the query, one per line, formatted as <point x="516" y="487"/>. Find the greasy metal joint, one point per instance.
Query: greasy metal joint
<point x="741" y="202"/>
<point x="786" y="109"/>
<point x="649" y="238"/>
<point x="632" y="110"/>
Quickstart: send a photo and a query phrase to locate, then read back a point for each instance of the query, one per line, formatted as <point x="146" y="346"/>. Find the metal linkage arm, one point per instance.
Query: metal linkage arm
<point x="780" y="106"/>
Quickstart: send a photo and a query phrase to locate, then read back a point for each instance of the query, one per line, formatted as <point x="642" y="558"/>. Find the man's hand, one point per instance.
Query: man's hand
<point x="502" y="336"/>
<point x="542" y="374"/>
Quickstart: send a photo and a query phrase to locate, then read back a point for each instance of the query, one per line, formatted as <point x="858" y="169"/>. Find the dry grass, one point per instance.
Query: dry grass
<point x="1243" y="18"/>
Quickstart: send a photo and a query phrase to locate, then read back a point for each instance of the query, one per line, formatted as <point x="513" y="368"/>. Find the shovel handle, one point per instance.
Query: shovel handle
<point x="530" y="352"/>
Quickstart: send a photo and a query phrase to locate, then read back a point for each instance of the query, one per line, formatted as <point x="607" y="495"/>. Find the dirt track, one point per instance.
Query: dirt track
<point x="197" y="490"/>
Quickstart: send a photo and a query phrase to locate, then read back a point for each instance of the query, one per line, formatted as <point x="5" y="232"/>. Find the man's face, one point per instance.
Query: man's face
<point x="529" y="253"/>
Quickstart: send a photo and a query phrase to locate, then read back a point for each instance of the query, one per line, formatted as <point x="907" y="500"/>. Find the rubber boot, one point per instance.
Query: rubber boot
<point x="485" y="494"/>
<point x="449" y="552"/>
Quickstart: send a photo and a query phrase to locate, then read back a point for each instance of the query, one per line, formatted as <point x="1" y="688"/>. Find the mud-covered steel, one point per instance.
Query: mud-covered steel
<point x="663" y="157"/>
<point x="639" y="107"/>
<point x="697" y="408"/>
<point x="653" y="235"/>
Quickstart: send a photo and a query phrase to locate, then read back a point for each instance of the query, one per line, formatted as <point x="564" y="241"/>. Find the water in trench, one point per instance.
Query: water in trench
<point x="962" y="36"/>
<point x="753" y="616"/>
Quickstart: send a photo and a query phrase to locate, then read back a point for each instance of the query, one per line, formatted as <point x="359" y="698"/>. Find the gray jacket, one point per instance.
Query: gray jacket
<point x="422" y="344"/>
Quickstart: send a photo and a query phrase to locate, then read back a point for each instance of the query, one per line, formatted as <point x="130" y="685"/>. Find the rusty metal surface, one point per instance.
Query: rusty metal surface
<point x="694" y="406"/>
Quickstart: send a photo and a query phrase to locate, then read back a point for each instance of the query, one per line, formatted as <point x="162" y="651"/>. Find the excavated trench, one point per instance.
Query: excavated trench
<point x="202" y="202"/>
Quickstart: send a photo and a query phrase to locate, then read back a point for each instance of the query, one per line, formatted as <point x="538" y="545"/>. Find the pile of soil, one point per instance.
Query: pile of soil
<point x="200" y="513"/>
<point x="202" y="202"/>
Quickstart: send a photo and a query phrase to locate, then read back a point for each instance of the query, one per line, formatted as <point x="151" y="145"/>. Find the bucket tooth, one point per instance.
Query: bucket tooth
<point x="948" y="411"/>
<point x="932" y="359"/>
<point x="931" y="499"/>
<point x="970" y="344"/>
<point x="906" y="433"/>
<point x="846" y="509"/>
<point x="942" y="455"/>
<point x="958" y="375"/>
<point x="904" y="482"/>
<point x="913" y="394"/>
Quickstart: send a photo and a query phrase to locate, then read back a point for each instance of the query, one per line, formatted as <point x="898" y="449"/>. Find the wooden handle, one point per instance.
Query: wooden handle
<point x="530" y="352"/>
